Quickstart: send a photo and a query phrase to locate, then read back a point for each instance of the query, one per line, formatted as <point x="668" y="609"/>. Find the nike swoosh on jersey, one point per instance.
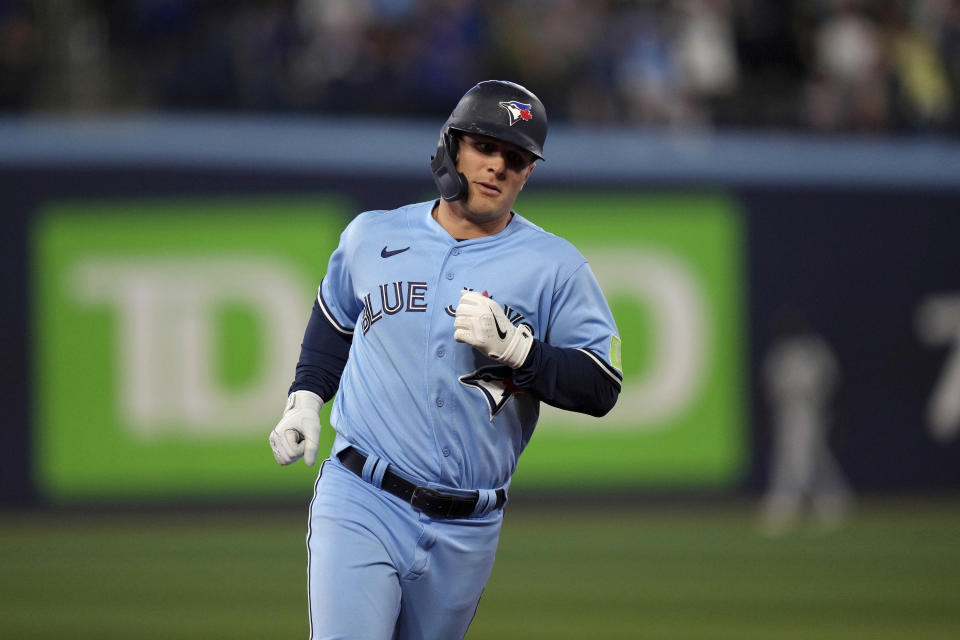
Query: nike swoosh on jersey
<point x="502" y="334"/>
<point x="385" y="253"/>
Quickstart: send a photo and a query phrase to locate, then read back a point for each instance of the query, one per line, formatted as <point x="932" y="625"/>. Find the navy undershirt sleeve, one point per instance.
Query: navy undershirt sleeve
<point x="567" y="379"/>
<point x="323" y="356"/>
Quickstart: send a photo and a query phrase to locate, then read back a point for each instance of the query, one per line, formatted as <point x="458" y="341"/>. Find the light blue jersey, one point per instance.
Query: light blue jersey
<point x="434" y="408"/>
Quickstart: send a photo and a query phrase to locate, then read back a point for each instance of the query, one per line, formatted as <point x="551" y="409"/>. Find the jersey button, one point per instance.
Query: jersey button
<point x="439" y="402"/>
<point x="449" y="275"/>
<point x="456" y="251"/>
<point x="440" y="352"/>
<point x="446" y="452"/>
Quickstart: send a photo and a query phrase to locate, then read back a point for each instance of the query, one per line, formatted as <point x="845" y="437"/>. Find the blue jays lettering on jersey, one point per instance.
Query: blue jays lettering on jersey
<point x="393" y="283"/>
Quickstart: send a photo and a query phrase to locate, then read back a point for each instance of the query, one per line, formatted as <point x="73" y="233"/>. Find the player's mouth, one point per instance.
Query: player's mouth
<point x="488" y="188"/>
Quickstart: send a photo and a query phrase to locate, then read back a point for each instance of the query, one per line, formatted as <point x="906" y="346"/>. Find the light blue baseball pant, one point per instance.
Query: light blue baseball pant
<point x="379" y="570"/>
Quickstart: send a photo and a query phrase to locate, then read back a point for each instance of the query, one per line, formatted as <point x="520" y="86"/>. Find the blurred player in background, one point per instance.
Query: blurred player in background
<point x="444" y="325"/>
<point x="802" y="374"/>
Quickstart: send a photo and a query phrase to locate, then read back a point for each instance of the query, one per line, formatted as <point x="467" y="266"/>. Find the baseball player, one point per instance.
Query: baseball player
<point x="437" y="331"/>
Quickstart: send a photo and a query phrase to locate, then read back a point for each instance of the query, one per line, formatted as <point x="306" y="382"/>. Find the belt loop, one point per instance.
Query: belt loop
<point x="486" y="502"/>
<point x="370" y="468"/>
<point x="376" y="478"/>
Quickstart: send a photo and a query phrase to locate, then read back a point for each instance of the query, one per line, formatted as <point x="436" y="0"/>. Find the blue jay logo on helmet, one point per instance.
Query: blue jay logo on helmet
<point x="517" y="111"/>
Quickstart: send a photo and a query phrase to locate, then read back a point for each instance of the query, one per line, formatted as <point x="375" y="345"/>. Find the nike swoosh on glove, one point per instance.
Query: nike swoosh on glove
<point x="297" y="435"/>
<point x="481" y="323"/>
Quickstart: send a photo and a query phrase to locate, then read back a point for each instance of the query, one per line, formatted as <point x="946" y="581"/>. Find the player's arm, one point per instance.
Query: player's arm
<point x="323" y="357"/>
<point x="569" y="378"/>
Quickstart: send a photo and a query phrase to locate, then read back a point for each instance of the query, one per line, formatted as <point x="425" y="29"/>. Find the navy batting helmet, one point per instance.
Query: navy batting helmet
<point x="495" y="108"/>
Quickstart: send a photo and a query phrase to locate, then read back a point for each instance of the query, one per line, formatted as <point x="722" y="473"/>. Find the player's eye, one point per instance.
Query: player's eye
<point x="517" y="161"/>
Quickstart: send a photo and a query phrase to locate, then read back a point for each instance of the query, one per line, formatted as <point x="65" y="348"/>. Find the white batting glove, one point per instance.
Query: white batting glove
<point x="481" y="323"/>
<point x="298" y="432"/>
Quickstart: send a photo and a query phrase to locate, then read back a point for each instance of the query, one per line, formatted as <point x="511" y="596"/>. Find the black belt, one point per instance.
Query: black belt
<point x="435" y="504"/>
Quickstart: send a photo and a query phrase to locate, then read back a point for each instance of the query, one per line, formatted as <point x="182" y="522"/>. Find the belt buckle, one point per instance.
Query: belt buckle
<point x="431" y="502"/>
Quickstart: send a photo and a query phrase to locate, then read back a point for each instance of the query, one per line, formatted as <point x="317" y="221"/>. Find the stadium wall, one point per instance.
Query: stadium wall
<point x="725" y="240"/>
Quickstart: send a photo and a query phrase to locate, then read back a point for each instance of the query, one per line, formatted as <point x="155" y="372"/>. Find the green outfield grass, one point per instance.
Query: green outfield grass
<point x="641" y="572"/>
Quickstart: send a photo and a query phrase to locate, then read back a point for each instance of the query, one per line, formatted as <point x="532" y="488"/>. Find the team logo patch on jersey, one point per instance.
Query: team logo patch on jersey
<point x="517" y="111"/>
<point x="495" y="382"/>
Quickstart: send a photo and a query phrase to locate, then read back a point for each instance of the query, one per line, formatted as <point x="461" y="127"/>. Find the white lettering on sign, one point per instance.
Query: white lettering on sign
<point x="166" y="314"/>
<point x="938" y="323"/>
<point x="670" y="291"/>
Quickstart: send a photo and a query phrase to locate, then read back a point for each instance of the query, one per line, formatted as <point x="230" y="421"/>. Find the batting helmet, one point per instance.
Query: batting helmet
<point x="495" y="108"/>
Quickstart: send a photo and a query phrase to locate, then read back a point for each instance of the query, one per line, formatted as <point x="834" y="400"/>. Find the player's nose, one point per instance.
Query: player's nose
<point x="498" y="164"/>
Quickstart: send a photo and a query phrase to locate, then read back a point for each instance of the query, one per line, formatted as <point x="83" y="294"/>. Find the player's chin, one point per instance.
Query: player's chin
<point x="485" y="215"/>
<point x="484" y="203"/>
<point x="478" y="206"/>
<point x="492" y="203"/>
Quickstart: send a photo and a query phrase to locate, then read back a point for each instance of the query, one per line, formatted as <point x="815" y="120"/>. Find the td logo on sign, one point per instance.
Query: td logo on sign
<point x="166" y="339"/>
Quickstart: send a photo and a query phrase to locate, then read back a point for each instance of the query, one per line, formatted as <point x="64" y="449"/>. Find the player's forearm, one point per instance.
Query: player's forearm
<point x="568" y="379"/>
<point x="323" y="356"/>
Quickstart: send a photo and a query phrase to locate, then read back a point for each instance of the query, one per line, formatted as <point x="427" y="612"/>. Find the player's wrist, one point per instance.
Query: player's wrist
<point x="297" y="435"/>
<point x="304" y="400"/>
<point x="518" y="348"/>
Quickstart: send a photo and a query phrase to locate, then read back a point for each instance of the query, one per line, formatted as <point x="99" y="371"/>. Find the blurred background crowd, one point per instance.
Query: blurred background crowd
<point x="877" y="66"/>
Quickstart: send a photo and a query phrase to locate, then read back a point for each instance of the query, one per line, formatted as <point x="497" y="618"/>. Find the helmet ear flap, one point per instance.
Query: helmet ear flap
<point x="451" y="184"/>
<point x="452" y="140"/>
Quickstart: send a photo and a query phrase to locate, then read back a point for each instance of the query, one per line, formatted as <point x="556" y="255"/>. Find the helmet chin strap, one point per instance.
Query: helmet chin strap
<point x="451" y="183"/>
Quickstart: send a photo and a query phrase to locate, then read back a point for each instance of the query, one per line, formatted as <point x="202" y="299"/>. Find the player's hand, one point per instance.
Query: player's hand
<point x="481" y="323"/>
<point x="298" y="432"/>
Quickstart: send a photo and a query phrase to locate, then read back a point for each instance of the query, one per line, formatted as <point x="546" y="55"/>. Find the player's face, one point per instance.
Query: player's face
<point x="496" y="172"/>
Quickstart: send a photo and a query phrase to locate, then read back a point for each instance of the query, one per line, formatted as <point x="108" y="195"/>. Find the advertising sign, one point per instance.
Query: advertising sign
<point x="166" y="334"/>
<point x="166" y="339"/>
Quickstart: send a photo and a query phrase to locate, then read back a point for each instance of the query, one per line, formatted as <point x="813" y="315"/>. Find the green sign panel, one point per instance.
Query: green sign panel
<point x="671" y="268"/>
<point x="166" y="334"/>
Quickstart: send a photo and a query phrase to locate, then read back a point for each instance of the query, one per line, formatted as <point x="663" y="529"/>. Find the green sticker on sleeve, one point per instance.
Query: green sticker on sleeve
<point x="615" y="353"/>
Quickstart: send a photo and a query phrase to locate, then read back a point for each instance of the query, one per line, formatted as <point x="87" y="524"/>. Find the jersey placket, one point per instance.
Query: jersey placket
<point x="440" y="371"/>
